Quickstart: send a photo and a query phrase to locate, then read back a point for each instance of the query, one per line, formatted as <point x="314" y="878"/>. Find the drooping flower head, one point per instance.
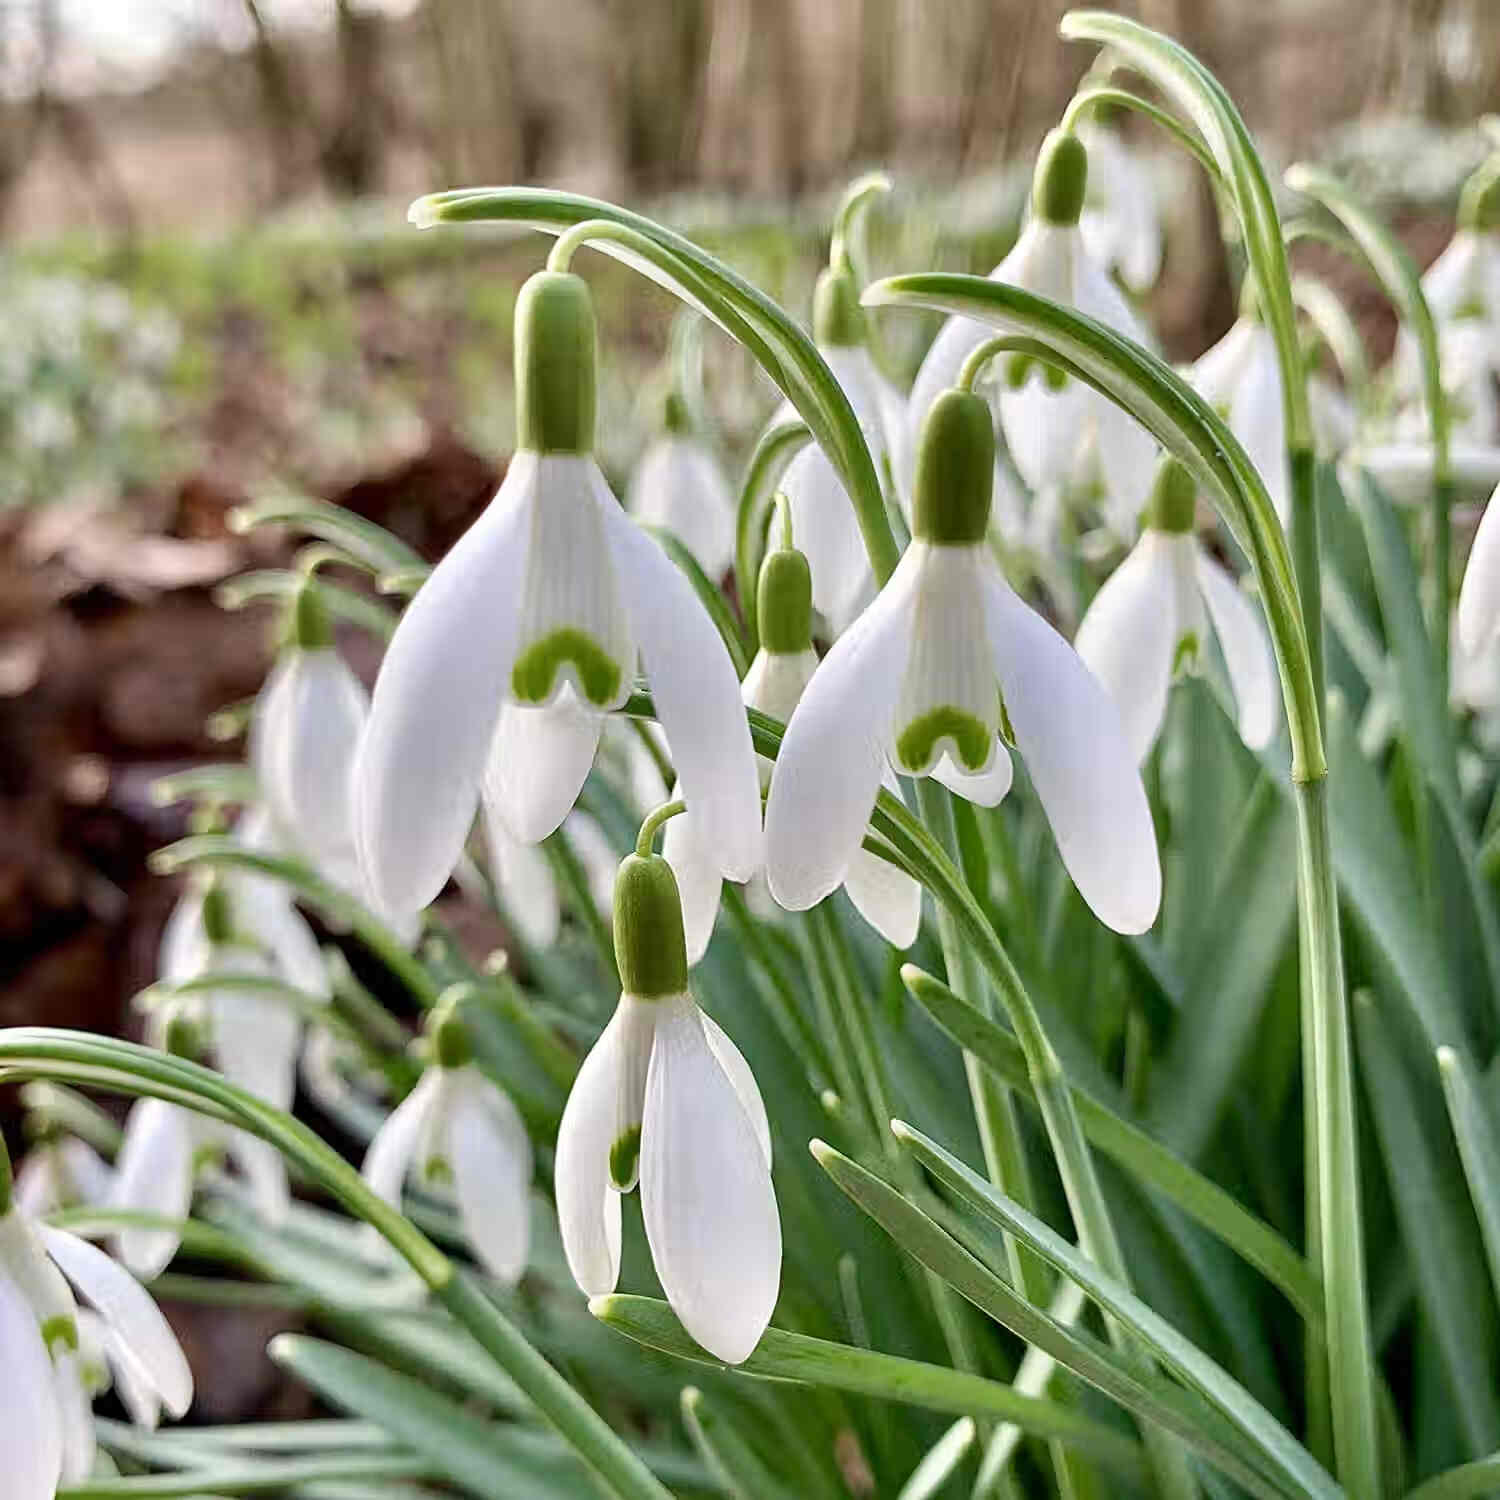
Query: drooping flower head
<point x="887" y="898"/>
<point x="459" y="1136"/>
<point x="1121" y="218"/>
<point x="503" y="667"/>
<point x="46" y="1424"/>
<point x="927" y="678"/>
<point x="678" y="486"/>
<point x="1150" y="622"/>
<point x="1479" y="596"/>
<point x="1061" y="434"/>
<point x="666" y="1099"/>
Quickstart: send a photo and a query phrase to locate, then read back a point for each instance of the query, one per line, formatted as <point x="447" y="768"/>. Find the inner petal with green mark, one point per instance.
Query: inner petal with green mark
<point x="437" y="1171"/>
<point x="624" y="1159"/>
<point x="563" y="655"/>
<point x="60" y="1332"/>
<point x="966" y="739"/>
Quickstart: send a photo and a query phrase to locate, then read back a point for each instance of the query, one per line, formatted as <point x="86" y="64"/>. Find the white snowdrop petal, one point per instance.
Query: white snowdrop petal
<point x="538" y="764"/>
<point x="76" y="1416"/>
<point x="1216" y="374"/>
<point x="826" y="531"/>
<point x="303" y="737"/>
<point x="698" y="882"/>
<point x="524" y="882"/>
<point x="153" y="1175"/>
<point x="1247" y="651"/>
<point x="831" y="759"/>
<point x="679" y="487"/>
<point x="138" y="1397"/>
<point x="1456" y="278"/>
<point x="1044" y="430"/>
<point x="30" y="1427"/>
<point x="957" y="339"/>
<point x="1404" y="470"/>
<point x="741" y="1079"/>
<point x="1257" y="419"/>
<point x="596" y="854"/>
<point x="265" y="911"/>
<point x="128" y="1310"/>
<point x="490" y="1154"/>
<point x="887" y="898"/>
<point x="588" y="1208"/>
<point x="1129" y="637"/>
<point x="1479" y="595"/>
<point x="983" y="788"/>
<point x="432" y="717"/>
<point x="1078" y="757"/>
<point x="265" y="1175"/>
<point x="776" y="681"/>
<point x="183" y="950"/>
<point x="256" y="1034"/>
<point x="706" y="1193"/>
<point x="697" y="696"/>
<point x="391" y="1153"/>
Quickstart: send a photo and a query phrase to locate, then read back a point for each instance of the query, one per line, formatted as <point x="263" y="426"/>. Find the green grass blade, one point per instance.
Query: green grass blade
<point x="1478" y="1148"/>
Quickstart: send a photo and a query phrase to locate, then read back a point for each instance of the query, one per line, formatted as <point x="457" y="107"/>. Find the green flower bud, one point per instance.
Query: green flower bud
<point x="1479" y="203"/>
<point x="1061" y="178"/>
<point x="307" y="624"/>
<point x="1174" y="498"/>
<point x="451" y="1044"/>
<point x="838" y="319"/>
<point x="784" y="601"/>
<point x="649" y="945"/>
<point x="955" y="471"/>
<point x="555" y="359"/>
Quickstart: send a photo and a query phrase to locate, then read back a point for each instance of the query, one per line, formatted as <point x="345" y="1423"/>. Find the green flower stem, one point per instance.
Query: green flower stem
<point x="1108" y="96"/>
<point x="123" y="1067"/>
<point x="844" y="250"/>
<point x="778" y="345"/>
<point x="1468" y="1480"/>
<point x="278" y="585"/>
<point x="241" y="1476"/>
<point x="217" y="851"/>
<point x="570" y="872"/>
<point x="1392" y="267"/>
<point x="373" y="545"/>
<point x="777" y="447"/>
<point x="655" y="821"/>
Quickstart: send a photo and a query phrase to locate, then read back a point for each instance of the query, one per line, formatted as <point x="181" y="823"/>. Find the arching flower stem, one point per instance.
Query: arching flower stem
<point x="1109" y="96"/>
<point x="655" y="820"/>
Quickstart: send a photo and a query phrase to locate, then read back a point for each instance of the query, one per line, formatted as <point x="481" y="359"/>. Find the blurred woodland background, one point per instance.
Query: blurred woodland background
<point x="208" y="288"/>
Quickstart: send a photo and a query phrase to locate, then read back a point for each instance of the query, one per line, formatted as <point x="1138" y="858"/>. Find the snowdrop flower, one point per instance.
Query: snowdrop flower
<point x="61" y="1172"/>
<point x="823" y="515"/>
<point x="665" y="1097"/>
<point x="678" y="486"/>
<point x="1404" y="470"/>
<point x="46" y="1426"/>
<point x="524" y="637"/>
<point x="945" y="658"/>
<point x="887" y="898"/>
<point x="1060" y="433"/>
<point x="1121" y="218"/>
<point x="458" y="1136"/>
<point x="1479" y="596"/>
<point x="1151" y="620"/>
<point x="526" y="885"/>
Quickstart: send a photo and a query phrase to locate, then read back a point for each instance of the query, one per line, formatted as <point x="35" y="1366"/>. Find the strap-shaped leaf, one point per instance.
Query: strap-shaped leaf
<point x="1280" y="1451"/>
<point x="372" y="544"/>
<point x="1479" y="1148"/>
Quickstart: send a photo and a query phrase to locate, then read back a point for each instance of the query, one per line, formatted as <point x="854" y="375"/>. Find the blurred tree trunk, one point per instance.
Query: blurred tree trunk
<point x="658" y="57"/>
<point x="874" y="100"/>
<point x="352" y="156"/>
<point x="486" y="131"/>
<point x="279" y="108"/>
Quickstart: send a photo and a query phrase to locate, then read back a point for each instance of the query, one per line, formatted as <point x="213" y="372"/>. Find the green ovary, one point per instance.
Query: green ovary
<point x="536" y="668"/>
<point x="623" y="1156"/>
<point x="917" y="745"/>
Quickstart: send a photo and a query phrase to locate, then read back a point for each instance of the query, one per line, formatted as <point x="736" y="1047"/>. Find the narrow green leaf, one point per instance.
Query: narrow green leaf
<point x="372" y="544"/>
<point x="1479" y="1149"/>
<point x="726" y="1452"/>
<point x="1437" y="1224"/>
<point x="1479" y="1478"/>
<point x="940" y="1463"/>
<point x="787" y="1356"/>
<point x="1281" y="1452"/>
<point x="242" y="1477"/>
<point x="1153" y="1164"/>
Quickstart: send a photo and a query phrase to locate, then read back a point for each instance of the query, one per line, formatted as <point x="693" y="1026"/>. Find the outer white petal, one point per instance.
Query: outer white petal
<point x="524" y="881"/>
<point x="391" y="1152"/>
<point x="737" y="1070"/>
<point x="1456" y="277"/>
<point x="831" y="760"/>
<point x="1257" y="419"/>
<point x="596" y="854"/>
<point x="825" y="529"/>
<point x="706" y="1193"/>
<point x="588" y="1207"/>
<point x="77" y="1417"/>
<point x="256" y="1035"/>
<point x="416" y="778"/>
<point x="1129" y="637"/>
<point x="265" y="1175"/>
<point x="183" y="951"/>
<point x="1404" y="470"/>
<point x="697" y="697"/>
<point x="61" y="1174"/>
<point x="1216" y="375"/>
<point x="1069" y="732"/>
<point x="265" y="911"/>
<point x="1247" y="651"/>
<point x="137" y="1395"/>
<point x="888" y="898"/>
<point x="490" y="1154"/>
<point x="1044" y="431"/>
<point x="154" y="1175"/>
<point x="303" y="738"/>
<point x="538" y="764"/>
<point x="30" y="1426"/>
<point x="145" y="1338"/>
<point x="679" y="486"/>
<point x="1479" y="596"/>
<point x="1120" y="223"/>
<point x="698" y="882"/>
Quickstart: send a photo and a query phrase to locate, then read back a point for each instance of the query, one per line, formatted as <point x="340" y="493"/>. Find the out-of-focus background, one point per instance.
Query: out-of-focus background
<point x="208" y="287"/>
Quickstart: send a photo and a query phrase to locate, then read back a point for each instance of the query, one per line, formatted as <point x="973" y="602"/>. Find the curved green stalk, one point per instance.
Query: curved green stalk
<point x="1323" y="308"/>
<point x="1110" y="96"/>
<point x="1184" y="423"/>
<point x="778" y="345"/>
<point x="778" y="445"/>
<point x="1398" y="278"/>
<point x="373" y="545"/>
<point x="124" y="1067"/>
<point x="654" y="821"/>
<point x="279" y="585"/>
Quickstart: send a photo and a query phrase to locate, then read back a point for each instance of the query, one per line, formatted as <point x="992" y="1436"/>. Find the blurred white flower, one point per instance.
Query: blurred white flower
<point x="526" y="885"/>
<point x="62" y="1172"/>
<point x="1479" y="597"/>
<point x="1121" y="219"/>
<point x="679" y="487"/>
